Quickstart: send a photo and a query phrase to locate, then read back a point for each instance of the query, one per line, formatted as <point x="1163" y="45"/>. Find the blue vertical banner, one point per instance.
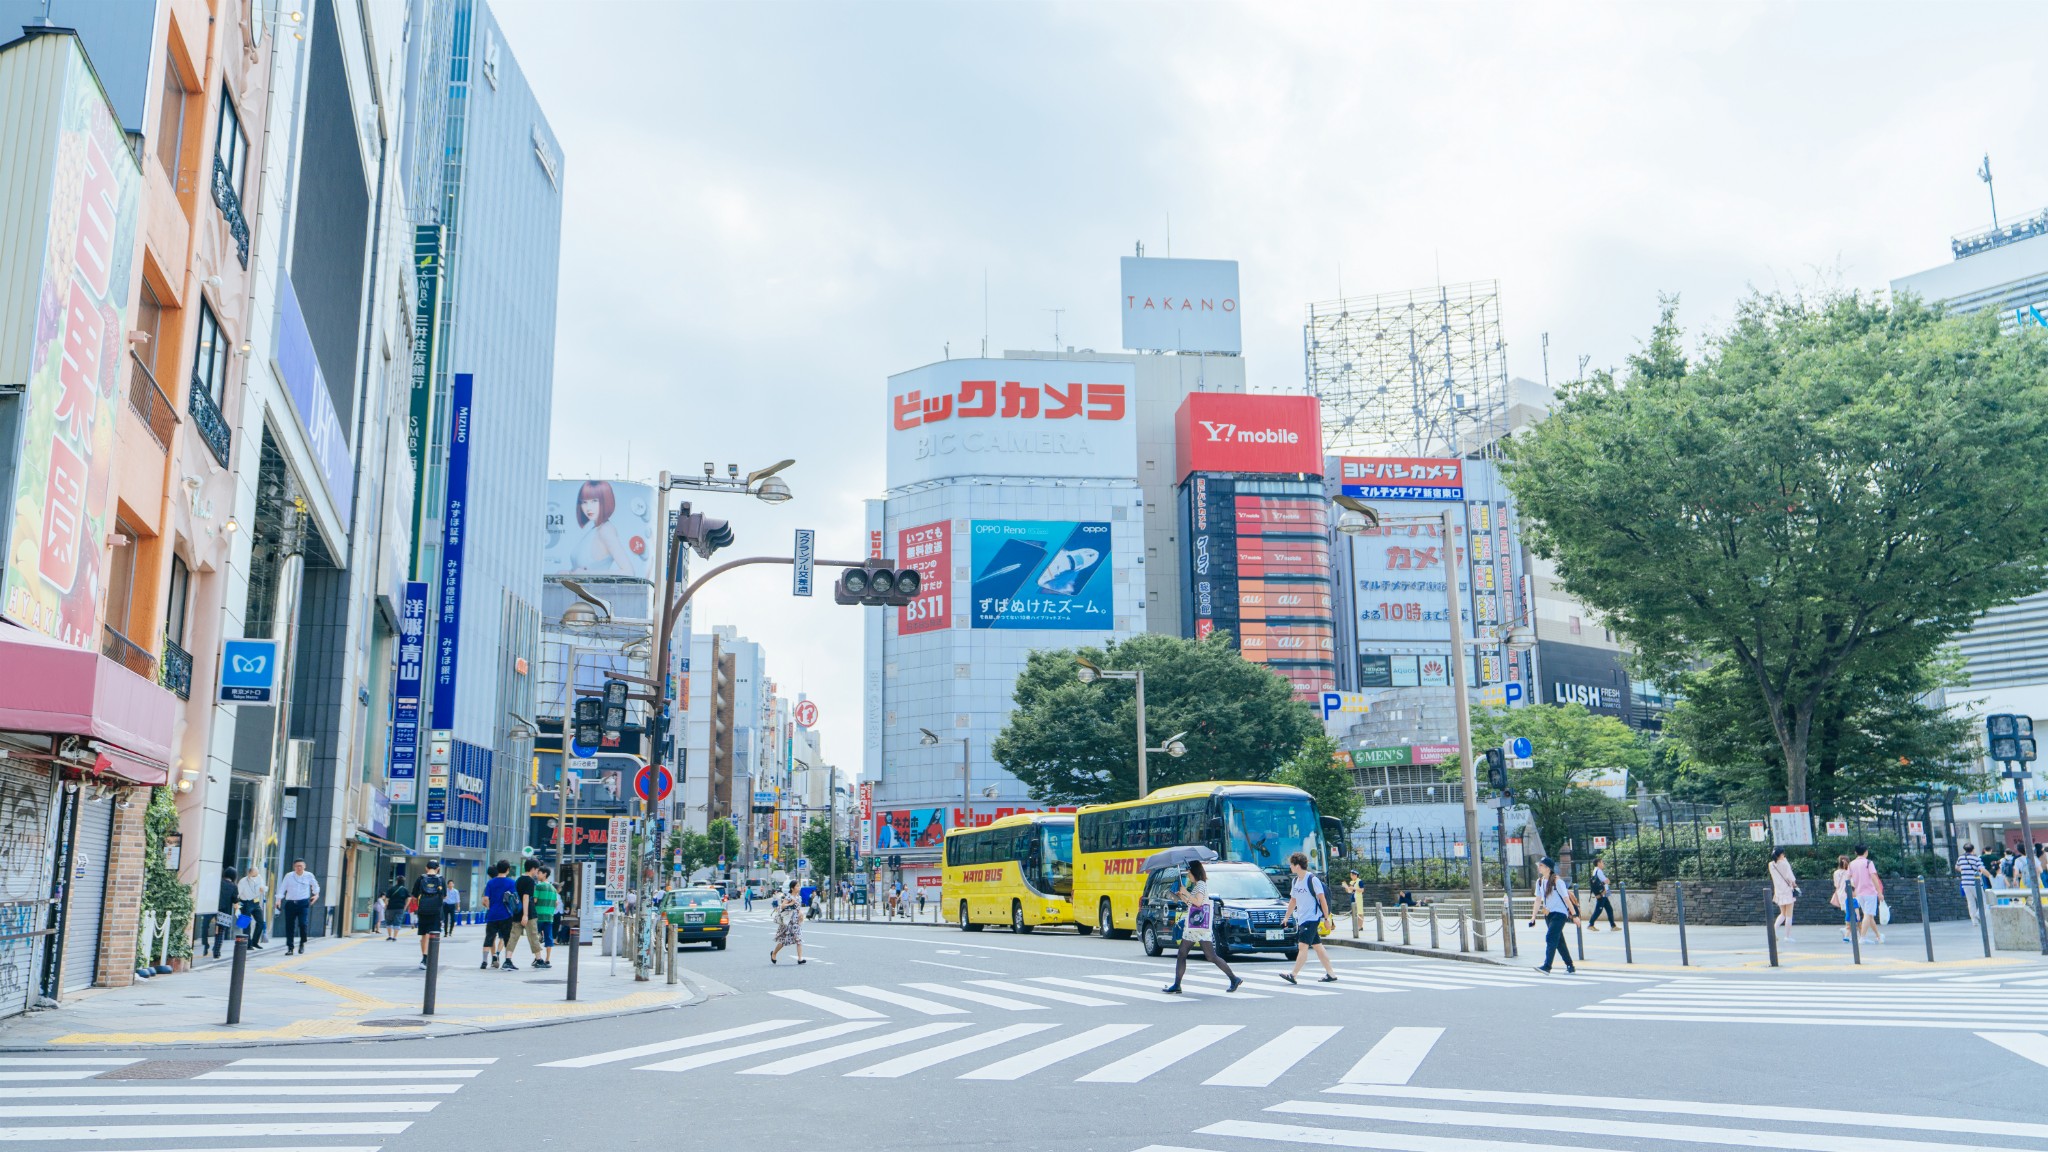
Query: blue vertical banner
<point x="454" y="530"/>
<point x="405" y="707"/>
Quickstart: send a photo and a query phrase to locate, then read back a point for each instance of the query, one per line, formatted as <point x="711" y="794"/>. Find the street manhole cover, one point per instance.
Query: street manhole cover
<point x="550" y="980"/>
<point x="396" y="1022"/>
<point x="162" y="1070"/>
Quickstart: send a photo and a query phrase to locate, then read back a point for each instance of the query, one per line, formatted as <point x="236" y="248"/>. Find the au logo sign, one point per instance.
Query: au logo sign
<point x="248" y="671"/>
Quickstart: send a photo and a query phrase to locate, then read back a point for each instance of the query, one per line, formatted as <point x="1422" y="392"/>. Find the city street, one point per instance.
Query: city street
<point x="910" y="1037"/>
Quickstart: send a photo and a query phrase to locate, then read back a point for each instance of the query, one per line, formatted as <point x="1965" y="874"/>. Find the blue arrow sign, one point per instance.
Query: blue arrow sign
<point x="1522" y="749"/>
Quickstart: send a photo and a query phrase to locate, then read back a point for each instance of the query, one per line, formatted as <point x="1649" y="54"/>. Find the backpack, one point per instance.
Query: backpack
<point x="433" y="889"/>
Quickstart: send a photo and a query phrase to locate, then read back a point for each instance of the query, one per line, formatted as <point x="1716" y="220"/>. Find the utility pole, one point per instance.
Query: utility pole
<point x="1143" y="780"/>
<point x="1468" y="772"/>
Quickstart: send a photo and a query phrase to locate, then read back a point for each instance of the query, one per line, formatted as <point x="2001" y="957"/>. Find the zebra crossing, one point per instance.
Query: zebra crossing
<point x="83" y="1104"/>
<point x="2028" y="976"/>
<point x="1864" y="1003"/>
<point x="1403" y="1118"/>
<point x="1214" y="1054"/>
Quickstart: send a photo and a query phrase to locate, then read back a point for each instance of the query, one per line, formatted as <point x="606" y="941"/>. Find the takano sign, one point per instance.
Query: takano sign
<point x="1181" y="306"/>
<point x="1055" y="418"/>
<point x="1229" y="432"/>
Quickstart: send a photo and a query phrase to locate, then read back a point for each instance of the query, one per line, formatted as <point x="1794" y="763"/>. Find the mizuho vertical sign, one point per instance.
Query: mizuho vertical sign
<point x="455" y="531"/>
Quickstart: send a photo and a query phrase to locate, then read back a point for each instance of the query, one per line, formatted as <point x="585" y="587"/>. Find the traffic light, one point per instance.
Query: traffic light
<point x="877" y="584"/>
<point x="1497" y="769"/>
<point x="614" y="708"/>
<point x="589" y="721"/>
<point x="702" y="533"/>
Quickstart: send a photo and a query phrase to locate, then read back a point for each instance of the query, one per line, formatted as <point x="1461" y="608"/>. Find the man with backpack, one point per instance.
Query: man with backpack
<point x="1308" y="909"/>
<point x="432" y="892"/>
<point x="501" y="894"/>
<point x="394" y="905"/>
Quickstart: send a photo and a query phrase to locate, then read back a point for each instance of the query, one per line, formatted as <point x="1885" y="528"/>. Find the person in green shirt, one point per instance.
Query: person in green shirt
<point x="547" y="901"/>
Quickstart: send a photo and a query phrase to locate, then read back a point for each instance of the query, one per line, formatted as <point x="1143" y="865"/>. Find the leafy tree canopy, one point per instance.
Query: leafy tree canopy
<point x="1323" y="772"/>
<point x="1570" y="747"/>
<point x="1075" y="743"/>
<point x="1830" y="491"/>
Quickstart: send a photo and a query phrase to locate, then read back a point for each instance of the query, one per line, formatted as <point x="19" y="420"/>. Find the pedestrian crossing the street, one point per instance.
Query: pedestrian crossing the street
<point x="1862" y="1003"/>
<point x="1403" y="1118"/>
<point x="1214" y="1054"/>
<point x="83" y="1104"/>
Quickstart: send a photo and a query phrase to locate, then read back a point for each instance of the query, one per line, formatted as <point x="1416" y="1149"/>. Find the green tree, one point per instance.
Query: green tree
<point x="162" y="891"/>
<point x="721" y="838"/>
<point x="1075" y="743"/>
<point x="1570" y="747"/>
<point x="817" y="846"/>
<point x="1874" y="735"/>
<point x="690" y="845"/>
<point x="1831" y="490"/>
<point x="1323" y="772"/>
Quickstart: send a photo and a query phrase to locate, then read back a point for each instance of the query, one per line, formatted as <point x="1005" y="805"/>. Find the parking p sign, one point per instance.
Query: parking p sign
<point x="248" y="671"/>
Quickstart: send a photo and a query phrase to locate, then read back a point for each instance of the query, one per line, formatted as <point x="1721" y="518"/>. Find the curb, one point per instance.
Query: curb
<point x="702" y="991"/>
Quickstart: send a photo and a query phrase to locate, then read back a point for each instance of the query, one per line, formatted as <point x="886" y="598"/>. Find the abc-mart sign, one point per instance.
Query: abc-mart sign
<point x="1248" y="433"/>
<point x="1029" y="418"/>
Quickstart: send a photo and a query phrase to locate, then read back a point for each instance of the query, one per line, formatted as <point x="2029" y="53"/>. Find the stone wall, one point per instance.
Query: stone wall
<point x="1747" y="902"/>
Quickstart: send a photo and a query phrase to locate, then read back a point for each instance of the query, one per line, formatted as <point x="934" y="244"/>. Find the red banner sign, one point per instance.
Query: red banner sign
<point x="1240" y="432"/>
<point x="927" y="550"/>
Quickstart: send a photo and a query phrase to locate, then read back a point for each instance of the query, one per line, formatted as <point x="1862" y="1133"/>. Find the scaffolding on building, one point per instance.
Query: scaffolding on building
<point x="1418" y="373"/>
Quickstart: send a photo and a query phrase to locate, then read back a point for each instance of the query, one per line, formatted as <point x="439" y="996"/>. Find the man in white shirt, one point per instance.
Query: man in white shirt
<point x="295" y="896"/>
<point x="250" y="890"/>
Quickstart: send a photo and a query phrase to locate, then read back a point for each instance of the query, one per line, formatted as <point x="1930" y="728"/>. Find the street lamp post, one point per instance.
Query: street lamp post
<point x="1174" y="746"/>
<point x="1359" y="519"/>
<point x="966" y="771"/>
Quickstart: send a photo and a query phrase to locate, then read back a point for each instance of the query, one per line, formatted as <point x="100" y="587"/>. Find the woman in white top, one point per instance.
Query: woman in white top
<point x="1556" y="906"/>
<point x="1841" y="897"/>
<point x="1200" y="927"/>
<point x="1784" y="892"/>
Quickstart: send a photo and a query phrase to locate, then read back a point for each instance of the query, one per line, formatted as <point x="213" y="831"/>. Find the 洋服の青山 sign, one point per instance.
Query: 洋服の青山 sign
<point x="1229" y="432"/>
<point x="1057" y="418"/>
<point x="1401" y="478"/>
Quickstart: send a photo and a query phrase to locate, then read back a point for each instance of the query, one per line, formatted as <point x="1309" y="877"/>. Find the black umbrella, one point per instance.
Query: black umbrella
<point x="1176" y="857"/>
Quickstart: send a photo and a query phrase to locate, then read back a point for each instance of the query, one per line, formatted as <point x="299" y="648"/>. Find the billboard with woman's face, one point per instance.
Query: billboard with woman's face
<point x="599" y="528"/>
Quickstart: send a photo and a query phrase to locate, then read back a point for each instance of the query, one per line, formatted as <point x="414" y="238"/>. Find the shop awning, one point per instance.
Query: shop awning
<point x="52" y="688"/>
<point x="366" y="838"/>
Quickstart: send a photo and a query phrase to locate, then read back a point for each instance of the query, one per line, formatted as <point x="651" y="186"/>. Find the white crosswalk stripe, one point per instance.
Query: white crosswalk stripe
<point x="1025" y="1063"/>
<point x="930" y="1057"/>
<point x="618" y="1054"/>
<point x="1006" y="1003"/>
<point x="1844" y="1004"/>
<point x="1399" y="1118"/>
<point x="842" y="1008"/>
<point x="1271" y="1060"/>
<point x="262" y="1101"/>
<point x="741" y="1051"/>
<point x="914" y="1003"/>
<point x="823" y="1056"/>
<point x="1144" y="1063"/>
<point x="1188" y="987"/>
<point x="1045" y="993"/>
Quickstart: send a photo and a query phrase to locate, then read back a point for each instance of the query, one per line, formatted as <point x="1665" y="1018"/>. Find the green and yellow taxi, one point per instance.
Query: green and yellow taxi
<point x="698" y="915"/>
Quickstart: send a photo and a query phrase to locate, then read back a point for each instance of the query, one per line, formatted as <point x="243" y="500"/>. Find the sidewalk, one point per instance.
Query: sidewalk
<point x="354" y="989"/>
<point x="1958" y="947"/>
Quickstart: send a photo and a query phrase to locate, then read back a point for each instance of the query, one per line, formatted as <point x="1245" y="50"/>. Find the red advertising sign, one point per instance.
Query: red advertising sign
<point x="1241" y="432"/>
<point x="928" y="551"/>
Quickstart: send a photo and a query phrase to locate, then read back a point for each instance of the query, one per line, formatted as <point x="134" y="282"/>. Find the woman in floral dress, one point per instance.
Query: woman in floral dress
<point x="789" y="926"/>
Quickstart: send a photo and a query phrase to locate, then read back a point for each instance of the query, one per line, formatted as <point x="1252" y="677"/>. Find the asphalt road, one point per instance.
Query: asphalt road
<point x="905" y="1038"/>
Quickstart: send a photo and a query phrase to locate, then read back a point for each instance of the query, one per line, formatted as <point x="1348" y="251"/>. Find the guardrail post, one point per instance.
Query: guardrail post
<point x="1852" y="917"/>
<point x="1432" y="925"/>
<point x="1379" y="921"/>
<point x="1684" y="955"/>
<point x="673" y="932"/>
<point x="573" y="926"/>
<point x="1404" y="923"/>
<point x="235" y="976"/>
<point x="1983" y="917"/>
<point x="1771" y="929"/>
<point x="1926" y="921"/>
<point x="1628" y="948"/>
<point x="433" y="973"/>
<point x="1464" y="941"/>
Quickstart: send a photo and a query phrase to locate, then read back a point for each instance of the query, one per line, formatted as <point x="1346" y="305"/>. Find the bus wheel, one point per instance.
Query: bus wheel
<point x="1107" y="922"/>
<point x="967" y="925"/>
<point x="1017" y="923"/>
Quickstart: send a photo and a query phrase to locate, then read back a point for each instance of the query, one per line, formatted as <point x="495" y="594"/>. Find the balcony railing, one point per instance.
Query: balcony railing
<point x="213" y="427"/>
<point x="230" y="203"/>
<point x="127" y="653"/>
<point x="175" y="670"/>
<point x="150" y="403"/>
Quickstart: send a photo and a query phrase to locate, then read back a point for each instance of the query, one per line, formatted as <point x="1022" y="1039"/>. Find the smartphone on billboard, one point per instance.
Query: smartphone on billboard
<point x="1007" y="571"/>
<point x="1068" y="572"/>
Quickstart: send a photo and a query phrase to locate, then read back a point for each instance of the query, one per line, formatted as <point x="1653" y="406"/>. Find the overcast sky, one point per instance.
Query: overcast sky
<point x="769" y="208"/>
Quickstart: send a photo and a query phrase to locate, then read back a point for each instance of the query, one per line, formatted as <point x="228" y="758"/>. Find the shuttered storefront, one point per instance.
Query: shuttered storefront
<point x="88" y="892"/>
<point x="26" y="849"/>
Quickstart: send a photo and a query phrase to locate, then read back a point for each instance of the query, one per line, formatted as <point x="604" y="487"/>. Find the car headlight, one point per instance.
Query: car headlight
<point x="1237" y="916"/>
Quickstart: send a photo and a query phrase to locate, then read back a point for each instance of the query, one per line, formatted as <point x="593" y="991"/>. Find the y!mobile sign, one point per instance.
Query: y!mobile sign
<point x="1057" y="418"/>
<point x="1181" y="305"/>
<point x="928" y="551"/>
<point x="1225" y="432"/>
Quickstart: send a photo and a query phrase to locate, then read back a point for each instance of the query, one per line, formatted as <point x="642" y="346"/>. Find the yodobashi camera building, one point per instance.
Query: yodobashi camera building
<point x="1013" y="491"/>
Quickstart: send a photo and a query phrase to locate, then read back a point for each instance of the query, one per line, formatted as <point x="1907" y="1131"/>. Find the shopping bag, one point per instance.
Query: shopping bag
<point x="1884" y="911"/>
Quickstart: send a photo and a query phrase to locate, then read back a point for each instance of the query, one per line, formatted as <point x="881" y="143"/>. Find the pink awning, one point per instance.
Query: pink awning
<point x="50" y="687"/>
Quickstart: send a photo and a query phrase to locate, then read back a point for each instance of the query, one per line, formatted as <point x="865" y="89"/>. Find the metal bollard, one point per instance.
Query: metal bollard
<point x="1684" y="956"/>
<point x="1926" y="921"/>
<point x="1852" y="918"/>
<point x="1464" y="942"/>
<point x="235" y="974"/>
<point x="672" y="942"/>
<point x="1379" y="921"/>
<point x="1432" y="926"/>
<point x="1771" y="929"/>
<point x="1983" y="918"/>
<point x="433" y="973"/>
<point x="1628" y="949"/>
<point x="572" y="927"/>
<point x="1404" y="924"/>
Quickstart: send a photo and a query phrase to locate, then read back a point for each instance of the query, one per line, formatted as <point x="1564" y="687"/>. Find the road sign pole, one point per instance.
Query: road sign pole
<point x="2019" y="790"/>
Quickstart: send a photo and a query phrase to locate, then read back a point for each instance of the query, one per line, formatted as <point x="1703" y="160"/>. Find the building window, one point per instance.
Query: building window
<point x="174" y="604"/>
<point x="149" y="320"/>
<point x="121" y="577"/>
<point x="1575" y="625"/>
<point x="210" y="356"/>
<point x="170" y="125"/>
<point x="230" y="147"/>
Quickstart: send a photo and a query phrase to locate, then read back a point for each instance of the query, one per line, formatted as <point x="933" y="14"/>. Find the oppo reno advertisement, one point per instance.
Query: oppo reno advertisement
<point x="1042" y="574"/>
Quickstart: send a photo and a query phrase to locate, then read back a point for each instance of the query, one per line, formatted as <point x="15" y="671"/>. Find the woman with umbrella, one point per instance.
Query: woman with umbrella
<point x="1200" y="925"/>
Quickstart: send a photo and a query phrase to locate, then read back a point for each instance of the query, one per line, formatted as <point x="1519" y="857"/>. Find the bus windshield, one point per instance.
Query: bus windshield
<point x="1266" y="832"/>
<point x="1057" y="859"/>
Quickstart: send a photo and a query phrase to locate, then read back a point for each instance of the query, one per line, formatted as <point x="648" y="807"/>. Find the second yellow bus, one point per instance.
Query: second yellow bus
<point x="1017" y="871"/>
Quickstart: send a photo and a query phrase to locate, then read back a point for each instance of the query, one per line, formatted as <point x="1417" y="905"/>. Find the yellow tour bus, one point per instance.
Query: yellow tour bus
<point x="1017" y="871"/>
<point x="1252" y="823"/>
